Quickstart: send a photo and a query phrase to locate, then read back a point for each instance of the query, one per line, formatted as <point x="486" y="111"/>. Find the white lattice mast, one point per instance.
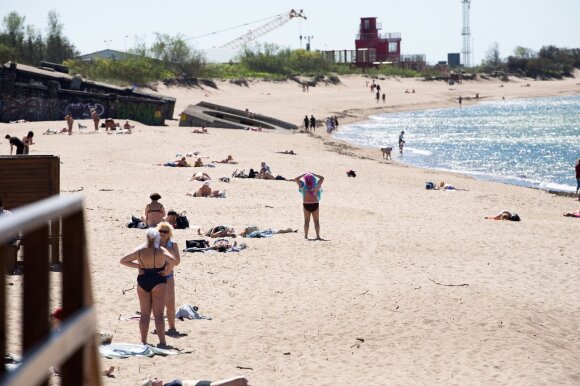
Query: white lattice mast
<point x="278" y="22"/>
<point x="466" y="33"/>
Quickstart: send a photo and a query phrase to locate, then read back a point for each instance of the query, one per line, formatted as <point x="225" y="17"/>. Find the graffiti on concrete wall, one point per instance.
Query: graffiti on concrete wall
<point x="83" y="110"/>
<point x="30" y="109"/>
<point x="42" y="109"/>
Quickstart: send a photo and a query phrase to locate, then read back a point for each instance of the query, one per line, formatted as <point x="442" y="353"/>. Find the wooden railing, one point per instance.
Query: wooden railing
<point x="73" y="348"/>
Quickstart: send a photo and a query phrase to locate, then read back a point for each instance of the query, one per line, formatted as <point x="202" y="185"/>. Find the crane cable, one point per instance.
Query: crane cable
<point x="231" y="28"/>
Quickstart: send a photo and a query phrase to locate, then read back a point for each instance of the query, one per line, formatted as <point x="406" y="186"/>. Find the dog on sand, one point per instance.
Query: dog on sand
<point x="387" y="152"/>
<point x="81" y="126"/>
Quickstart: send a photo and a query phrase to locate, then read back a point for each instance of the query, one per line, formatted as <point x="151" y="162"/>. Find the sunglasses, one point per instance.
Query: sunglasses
<point x="163" y="231"/>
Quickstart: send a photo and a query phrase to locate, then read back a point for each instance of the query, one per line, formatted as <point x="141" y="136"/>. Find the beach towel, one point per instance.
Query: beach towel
<point x="260" y="234"/>
<point x="187" y="311"/>
<point x="126" y="350"/>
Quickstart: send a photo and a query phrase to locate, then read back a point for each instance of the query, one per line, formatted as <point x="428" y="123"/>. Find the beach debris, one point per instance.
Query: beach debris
<point x="106" y="190"/>
<point x="450" y="285"/>
<point x="127" y="290"/>
<point x="244" y="368"/>
<point x="287" y="353"/>
<point x="360" y="339"/>
<point x="74" y="190"/>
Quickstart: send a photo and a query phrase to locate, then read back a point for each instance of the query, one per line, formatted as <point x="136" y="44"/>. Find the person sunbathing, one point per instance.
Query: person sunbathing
<point x="442" y="186"/>
<point x="504" y="215"/>
<point x="54" y="131"/>
<point x="198" y="163"/>
<point x="202" y="131"/>
<point x="291" y="152"/>
<point x="180" y="163"/>
<point x="228" y="160"/>
<point x="128" y="126"/>
<point x="573" y="214"/>
<point x="235" y="381"/>
<point x="206" y="191"/>
<point x="200" y="176"/>
<point x="218" y="231"/>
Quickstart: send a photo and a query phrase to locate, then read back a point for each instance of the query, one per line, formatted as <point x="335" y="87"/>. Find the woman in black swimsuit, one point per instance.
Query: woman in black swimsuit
<point x="310" y="189"/>
<point x="154" y="263"/>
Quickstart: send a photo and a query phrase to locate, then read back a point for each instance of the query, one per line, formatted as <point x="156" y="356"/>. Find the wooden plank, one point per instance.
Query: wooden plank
<point x="73" y="287"/>
<point x="35" y="289"/>
<point x="54" y="350"/>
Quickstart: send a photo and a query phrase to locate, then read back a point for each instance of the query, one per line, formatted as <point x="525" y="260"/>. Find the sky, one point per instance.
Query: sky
<point x="429" y="27"/>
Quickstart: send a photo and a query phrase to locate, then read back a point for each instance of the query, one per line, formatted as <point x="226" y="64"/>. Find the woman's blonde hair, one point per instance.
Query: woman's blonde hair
<point x="164" y="225"/>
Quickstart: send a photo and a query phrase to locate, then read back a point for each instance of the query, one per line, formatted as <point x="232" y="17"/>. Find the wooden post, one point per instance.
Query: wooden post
<point x="73" y="287"/>
<point x="3" y="328"/>
<point x="35" y="326"/>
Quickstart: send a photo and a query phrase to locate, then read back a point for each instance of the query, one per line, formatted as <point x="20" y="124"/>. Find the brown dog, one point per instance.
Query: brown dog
<point x="387" y="152"/>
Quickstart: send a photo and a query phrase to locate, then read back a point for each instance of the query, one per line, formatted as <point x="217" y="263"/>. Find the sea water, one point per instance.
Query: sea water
<point x="529" y="142"/>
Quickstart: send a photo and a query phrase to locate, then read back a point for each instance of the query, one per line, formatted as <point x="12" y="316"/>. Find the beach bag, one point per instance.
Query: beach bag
<point x="196" y="243"/>
<point x="429" y="185"/>
<point x="181" y="221"/>
<point x="515" y="217"/>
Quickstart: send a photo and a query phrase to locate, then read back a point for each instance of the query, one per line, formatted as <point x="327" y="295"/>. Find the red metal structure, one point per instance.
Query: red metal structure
<point x="373" y="48"/>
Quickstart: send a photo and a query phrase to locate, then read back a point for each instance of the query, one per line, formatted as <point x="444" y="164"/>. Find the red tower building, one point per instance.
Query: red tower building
<point x="373" y="48"/>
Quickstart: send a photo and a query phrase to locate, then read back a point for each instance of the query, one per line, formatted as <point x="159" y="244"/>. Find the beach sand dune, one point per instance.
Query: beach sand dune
<point x="409" y="287"/>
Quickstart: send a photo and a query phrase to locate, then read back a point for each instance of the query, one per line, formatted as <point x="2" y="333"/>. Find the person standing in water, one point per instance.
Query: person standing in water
<point x="401" y="141"/>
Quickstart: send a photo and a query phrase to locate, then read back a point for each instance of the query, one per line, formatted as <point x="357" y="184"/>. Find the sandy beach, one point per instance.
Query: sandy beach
<point x="409" y="286"/>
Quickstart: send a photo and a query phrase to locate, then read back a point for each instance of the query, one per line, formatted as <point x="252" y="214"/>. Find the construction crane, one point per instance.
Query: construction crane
<point x="278" y="22"/>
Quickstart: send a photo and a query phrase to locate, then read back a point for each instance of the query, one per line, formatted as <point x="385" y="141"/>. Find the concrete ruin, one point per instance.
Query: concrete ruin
<point x="48" y="94"/>
<point x="205" y="114"/>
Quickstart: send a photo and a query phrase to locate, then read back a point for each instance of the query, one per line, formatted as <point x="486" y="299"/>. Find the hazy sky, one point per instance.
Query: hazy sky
<point x="430" y="27"/>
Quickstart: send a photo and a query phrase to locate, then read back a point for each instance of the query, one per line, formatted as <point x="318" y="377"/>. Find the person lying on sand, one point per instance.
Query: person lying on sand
<point x="228" y="160"/>
<point x="442" y="186"/>
<point x="180" y="163"/>
<point x="202" y="131"/>
<point x="200" y="176"/>
<point x="206" y="191"/>
<point x="218" y="231"/>
<point x="504" y="215"/>
<point x="51" y="131"/>
<point x="291" y="152"/>
<point x="235" y="381"/>
<point x="572" y="214"/>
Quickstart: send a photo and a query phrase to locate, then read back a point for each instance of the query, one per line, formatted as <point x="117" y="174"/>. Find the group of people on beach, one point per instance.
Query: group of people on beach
<point x="22" y="146"/>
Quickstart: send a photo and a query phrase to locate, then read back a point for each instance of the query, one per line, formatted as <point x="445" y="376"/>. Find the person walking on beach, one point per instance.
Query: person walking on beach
<point x="401" y="141"/>
<point x="310" y="189"/>
<point x="15" y="142"/>
<point x="95" y="118"/>
<point x="460" y="99"/>
<point x="312" y="122"/>
<point x="69" y="122"/>
<point x="306" y="122"/>
<point x="578" y="177"/>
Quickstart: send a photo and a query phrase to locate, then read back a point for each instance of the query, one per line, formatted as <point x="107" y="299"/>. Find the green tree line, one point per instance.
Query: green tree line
<point x="26" y="44"/>
<point x="549" y="62"/>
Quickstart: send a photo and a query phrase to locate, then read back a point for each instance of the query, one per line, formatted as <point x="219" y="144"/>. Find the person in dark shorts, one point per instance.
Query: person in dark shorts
<point x="235" y="381"/>
<point x="15" y="142"/>
<point x="309" y="185"/>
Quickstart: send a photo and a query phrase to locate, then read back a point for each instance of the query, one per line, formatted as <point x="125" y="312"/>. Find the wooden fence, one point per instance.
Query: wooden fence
<point x="73" y="348"/>
<point x="29" y="178"/>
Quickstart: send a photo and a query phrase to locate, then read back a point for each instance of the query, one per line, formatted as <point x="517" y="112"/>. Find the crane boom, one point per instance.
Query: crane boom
<point x="278" y="22"/>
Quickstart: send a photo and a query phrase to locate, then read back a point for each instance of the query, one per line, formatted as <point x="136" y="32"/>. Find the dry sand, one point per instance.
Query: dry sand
<point x="410" y="287"/>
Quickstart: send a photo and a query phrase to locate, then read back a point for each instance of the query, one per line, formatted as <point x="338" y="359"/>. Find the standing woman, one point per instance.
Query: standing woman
<point x="28" y="140"/>
<point x="154" y="263"/>
<point x="166" y="233"/>
<point x="154" y="211"/>
<point x="310" y="189"/>
<point x="578" y="177"/>
<point x="95" y="118"/>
